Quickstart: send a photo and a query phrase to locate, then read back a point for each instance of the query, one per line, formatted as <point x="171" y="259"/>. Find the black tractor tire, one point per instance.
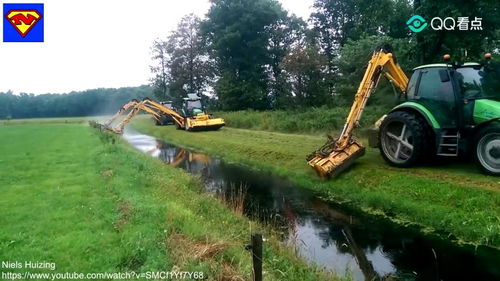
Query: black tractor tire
<point x="405" y="139"/>
<point x="163" y="120"/>
<point x="486" y="148"/>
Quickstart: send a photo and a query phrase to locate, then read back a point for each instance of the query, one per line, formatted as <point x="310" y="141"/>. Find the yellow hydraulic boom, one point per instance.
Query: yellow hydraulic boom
<point x="200" y="121"/>
<point x="158" y="107"/>
<point x="126" y="107"/>
<point x="337" y="154"/>
<point x="136" y="109"/>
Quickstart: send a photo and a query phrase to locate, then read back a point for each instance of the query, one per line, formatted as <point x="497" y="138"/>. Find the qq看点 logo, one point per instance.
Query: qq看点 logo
<point x="462" y="23"/>
<point x="416" y="23"/>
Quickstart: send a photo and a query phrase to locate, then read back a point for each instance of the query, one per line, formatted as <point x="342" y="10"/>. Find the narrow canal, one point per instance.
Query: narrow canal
<point x="326" y="234"/>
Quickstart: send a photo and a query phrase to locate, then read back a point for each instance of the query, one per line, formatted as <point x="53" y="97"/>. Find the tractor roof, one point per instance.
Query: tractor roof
<point x="192" y="97"/>
<point x="446" y="65"/>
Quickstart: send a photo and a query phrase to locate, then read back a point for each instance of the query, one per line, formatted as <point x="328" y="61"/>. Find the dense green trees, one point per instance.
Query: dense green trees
<point x="286" y="33"/>
<point x="90" y="102"/>
<point x="160" y="70"/>
<point x="461" y="44"/>
<point x="238" y="33"/>
<point x="252" y="54"/>
<point x="304" y="71"/>
<point x="265" y="58"/>
<point x="352" y="60"/>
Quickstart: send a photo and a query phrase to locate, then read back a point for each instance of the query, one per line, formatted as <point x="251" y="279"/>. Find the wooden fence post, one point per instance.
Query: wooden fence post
<point x="257" y="256"/>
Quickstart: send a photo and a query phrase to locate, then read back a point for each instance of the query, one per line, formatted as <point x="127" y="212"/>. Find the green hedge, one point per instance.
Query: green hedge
<point x="312" y="120"/>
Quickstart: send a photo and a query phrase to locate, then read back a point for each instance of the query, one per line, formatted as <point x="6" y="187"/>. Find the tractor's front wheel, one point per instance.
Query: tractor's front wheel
<point x="487" y="149"/>
<point x="403" y="139"/>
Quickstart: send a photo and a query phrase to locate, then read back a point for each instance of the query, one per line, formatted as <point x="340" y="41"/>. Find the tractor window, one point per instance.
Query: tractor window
<point x="193" y="104"/>
<point x="480" y="82"/>
<point x="437" y="97"/>
<point x="412" y="85"/>
<point x="432" y="88"/>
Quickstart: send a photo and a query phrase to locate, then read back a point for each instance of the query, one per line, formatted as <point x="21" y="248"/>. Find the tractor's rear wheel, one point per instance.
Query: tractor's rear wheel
<point x="487" y="149"/>
<point x="403" y="139"/>
<point x="162" y="121"/>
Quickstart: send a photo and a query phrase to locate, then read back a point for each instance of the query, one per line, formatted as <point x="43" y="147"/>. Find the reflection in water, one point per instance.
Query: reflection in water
<point x="327" y="235"/>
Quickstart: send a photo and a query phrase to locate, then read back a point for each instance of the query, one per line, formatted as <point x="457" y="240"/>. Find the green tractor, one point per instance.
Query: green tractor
<point x="165" y="119"/>
<point x="448" y="110"/>
<point x="192" y="106"/>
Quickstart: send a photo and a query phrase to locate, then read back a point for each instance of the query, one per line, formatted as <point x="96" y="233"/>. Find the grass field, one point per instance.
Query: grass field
<point x="59" y="120"/>
<point x="90" y="203"/>
<point x="453" y="199"/>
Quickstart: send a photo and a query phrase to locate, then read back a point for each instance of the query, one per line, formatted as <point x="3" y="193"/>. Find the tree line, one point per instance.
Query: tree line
<point x="252" y="54"/>
<point x="85" y="103"/>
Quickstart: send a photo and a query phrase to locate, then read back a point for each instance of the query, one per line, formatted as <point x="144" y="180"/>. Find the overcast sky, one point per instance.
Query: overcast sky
<point x="95" y="43"/>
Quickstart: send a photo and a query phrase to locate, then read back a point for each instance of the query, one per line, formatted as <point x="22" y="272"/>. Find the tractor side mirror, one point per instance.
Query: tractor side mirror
<point x="443" y="74"/>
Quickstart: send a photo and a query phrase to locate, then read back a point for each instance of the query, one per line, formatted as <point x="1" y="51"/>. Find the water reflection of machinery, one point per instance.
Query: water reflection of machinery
<point x="328" y="235"/>
<point x="175" y="156"/>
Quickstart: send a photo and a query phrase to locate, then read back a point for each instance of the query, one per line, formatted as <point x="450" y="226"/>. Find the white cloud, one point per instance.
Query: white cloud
<point x="91" y="43"/>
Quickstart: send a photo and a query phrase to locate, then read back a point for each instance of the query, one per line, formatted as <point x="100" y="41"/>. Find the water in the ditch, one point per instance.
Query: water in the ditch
<point x="329" y="235"/>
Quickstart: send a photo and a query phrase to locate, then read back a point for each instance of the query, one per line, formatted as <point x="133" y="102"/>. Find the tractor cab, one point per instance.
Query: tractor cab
<point x="195" y="116"/>
<point x="167" y="104"/>
<point x="479" y="82"/>
<point x="449" y="109"/>
<point x="456" y="96"/>
<point x="192" y="106"/>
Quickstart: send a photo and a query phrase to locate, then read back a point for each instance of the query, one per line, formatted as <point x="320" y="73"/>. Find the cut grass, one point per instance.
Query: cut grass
<point x="93" y="205"/>
<point x="450" y="198"/>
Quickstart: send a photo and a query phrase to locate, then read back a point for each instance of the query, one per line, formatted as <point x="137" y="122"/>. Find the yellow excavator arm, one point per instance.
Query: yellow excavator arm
<point x="179" y="120"/>
<point x="125" y="108"/>
<point x="337" y="154"/>
<point x="136" y="109"/>
<point x="199" y="122"/>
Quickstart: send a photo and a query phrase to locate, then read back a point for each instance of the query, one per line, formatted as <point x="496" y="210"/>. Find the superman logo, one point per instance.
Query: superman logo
<point x="23" y="20"/>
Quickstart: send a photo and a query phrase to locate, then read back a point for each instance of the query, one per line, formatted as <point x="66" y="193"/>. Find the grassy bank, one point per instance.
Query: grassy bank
<point x="61" y="120"/>
<point x="312" y="120"/>
<point x="450" y="198"/>
<point x="90" y="203"/>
